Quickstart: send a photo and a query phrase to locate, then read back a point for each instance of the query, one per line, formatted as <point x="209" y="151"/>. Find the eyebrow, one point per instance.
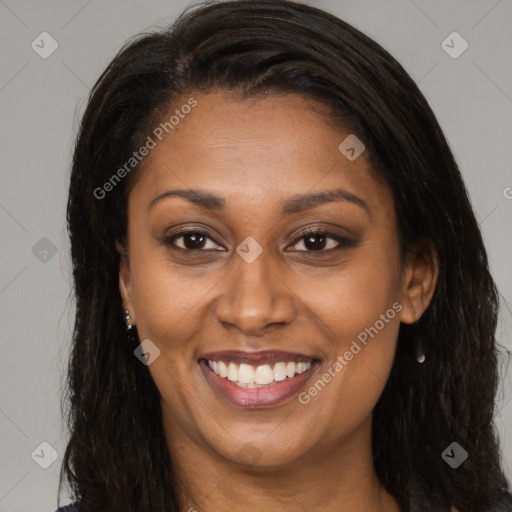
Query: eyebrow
<point x="295" y="204"/>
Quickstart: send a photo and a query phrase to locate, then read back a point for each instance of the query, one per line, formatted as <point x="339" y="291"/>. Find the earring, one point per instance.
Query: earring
<point x="128" y="326"/>
<point x="420" y="356"/>
<point x="418" y="352"/>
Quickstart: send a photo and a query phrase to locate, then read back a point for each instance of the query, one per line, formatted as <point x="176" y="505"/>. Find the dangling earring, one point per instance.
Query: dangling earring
<point x="419" y="354"/>
<point x="129" y="328"/>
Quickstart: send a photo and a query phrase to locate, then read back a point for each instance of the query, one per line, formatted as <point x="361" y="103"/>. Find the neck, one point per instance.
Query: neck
<point x="342" y="479"/>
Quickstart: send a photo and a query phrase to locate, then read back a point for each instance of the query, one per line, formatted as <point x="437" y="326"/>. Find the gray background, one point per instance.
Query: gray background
<point x="41" y="102"/>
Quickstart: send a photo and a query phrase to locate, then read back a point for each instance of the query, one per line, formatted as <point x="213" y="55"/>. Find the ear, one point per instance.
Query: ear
<point x="125" y="279"/>
<point x="420" y="280"/>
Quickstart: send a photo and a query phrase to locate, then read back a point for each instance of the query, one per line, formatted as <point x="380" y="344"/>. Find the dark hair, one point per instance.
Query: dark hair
<point x="117" y="457"/>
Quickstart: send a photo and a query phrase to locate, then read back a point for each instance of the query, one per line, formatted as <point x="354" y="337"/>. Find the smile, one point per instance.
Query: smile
<point x="257" y="379"/>
<point x="248" y="376"/>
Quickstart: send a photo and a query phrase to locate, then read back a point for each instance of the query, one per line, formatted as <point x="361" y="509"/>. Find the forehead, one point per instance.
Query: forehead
<point x="252" y="150"/>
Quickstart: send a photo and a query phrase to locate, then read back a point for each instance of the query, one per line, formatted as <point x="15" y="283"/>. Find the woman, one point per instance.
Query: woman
<point x="283" y="300"/>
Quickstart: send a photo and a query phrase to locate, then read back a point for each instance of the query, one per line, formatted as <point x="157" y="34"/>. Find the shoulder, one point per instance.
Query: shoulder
<point x="67" y="508"/>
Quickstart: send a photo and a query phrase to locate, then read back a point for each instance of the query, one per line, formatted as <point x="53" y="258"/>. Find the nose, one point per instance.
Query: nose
<point x="255" y="299"/>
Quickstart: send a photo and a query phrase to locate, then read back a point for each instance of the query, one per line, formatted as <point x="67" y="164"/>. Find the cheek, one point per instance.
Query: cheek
<point x="166" y="297"/>
<point x="355" y="296"/>
<point x="370" y="324"/>
<point x="344" y="392"/>
<point x="361" y="309"/>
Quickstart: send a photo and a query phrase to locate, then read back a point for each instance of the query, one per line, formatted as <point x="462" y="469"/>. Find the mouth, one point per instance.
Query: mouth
<point x="257" y="379"/>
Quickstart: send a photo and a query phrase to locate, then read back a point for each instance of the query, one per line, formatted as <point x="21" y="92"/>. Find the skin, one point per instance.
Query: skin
<point x="256" y="154"/>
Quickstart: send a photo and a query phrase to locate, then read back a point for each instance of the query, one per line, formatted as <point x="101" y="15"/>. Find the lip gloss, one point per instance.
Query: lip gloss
<point x="271" y="395"/>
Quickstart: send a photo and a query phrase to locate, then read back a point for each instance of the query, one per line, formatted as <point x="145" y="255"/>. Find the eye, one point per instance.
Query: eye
<point x="311" y="241"/>
<point x="322" y="241"/>
<point x="191" y="240"/>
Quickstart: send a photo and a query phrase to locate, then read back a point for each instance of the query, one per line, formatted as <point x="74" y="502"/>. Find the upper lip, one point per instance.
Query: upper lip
<point x="256" y="358"/>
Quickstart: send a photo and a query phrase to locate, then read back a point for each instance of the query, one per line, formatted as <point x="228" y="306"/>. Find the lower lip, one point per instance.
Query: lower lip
<point x="257" y="397"/>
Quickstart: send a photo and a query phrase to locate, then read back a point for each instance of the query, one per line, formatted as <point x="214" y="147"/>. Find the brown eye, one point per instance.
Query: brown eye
<point x="321" y="241"/>
<point x="191" y="240"/>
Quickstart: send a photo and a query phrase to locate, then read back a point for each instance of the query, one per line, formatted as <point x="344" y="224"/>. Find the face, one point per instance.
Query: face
<point x="269" y="280"/>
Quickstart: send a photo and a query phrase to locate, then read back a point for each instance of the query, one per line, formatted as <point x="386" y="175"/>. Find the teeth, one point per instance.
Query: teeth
<point x="223" y="369"/>
<point x="279" y="371"/>
<point x="232" y="372"/>
<point x="299" y="367"/>
<point x="248" y="376"/>
<point x="263" y="375"/>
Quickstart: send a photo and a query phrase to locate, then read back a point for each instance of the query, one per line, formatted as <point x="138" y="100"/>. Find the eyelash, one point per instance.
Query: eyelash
<point x="342" y="241"/>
